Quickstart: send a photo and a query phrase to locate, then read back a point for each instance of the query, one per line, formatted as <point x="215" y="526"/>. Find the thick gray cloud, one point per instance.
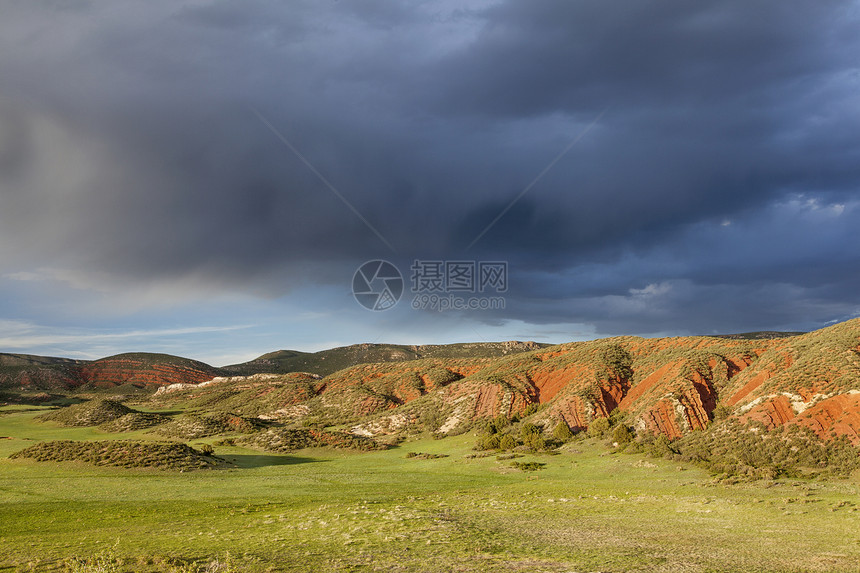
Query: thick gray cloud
<point x="718" y="190"/>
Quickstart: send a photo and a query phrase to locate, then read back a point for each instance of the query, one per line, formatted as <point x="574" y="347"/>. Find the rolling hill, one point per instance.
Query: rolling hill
<point x="668" y="386"/>
<point x="41" y="376"/>
<point x="329" y="361"/>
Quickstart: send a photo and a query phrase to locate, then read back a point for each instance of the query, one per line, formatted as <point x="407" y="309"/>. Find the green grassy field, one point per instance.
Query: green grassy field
<point x="327" y="510"/>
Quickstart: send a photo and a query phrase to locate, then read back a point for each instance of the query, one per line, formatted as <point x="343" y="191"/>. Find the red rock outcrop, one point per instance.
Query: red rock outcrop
<point x="836" y="416"/>
<point x="772" y="413"/>
<point x="662" y="419"/>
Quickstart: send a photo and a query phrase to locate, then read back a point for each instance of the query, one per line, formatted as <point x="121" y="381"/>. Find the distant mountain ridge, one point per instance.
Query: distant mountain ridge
<point x="759" y="335"/>
<point x="329" y="361"/>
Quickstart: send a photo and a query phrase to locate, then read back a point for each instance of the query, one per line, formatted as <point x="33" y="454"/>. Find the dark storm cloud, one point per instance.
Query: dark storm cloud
<point x="725" y="168"/>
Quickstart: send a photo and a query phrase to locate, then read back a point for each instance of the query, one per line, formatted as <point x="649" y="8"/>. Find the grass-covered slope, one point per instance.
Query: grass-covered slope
<point x="120" y="453"/>
<point x="194" y="426"/>
<point x="90" y="413"/>
<point x="427" y="506"/>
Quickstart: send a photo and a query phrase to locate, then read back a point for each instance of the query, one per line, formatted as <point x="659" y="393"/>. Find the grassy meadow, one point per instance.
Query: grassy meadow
<point x="331" y="510"/>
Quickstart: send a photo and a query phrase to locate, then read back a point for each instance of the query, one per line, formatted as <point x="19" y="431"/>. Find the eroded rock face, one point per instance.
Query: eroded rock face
<point x="696" y="404"/>
<point x="662" y="419"/>
<point x="836" y="416"/>
<point x="771" y="412"/>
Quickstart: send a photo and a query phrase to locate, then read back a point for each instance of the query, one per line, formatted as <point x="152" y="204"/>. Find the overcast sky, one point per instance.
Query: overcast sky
<point x="204" y="178"/>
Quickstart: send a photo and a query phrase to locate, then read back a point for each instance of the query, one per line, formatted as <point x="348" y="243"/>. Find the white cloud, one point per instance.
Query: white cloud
<point x="653" y="290"/>
<point x="15" y="335"/>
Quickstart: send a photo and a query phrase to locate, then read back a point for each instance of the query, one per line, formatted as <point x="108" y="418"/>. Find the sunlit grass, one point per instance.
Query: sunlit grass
<point x="328" y="510"/>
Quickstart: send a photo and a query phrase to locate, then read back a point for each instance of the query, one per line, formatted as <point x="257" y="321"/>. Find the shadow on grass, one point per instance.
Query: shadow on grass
<point x="263" y="460"/>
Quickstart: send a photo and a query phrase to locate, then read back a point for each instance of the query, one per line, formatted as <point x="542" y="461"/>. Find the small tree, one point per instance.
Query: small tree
<point x="535" y="442"/>
<point x="531" y="409"/>
<point x="529" y="429"/>
<point x="622" y="435"/>
<point x="507" y="442"/>
<point x="488" y="442"/>
<point x="721" y="412"/>
<point x="661" y="446"/>
<point x="598" y="428"/>
<point x="617" y="416"/>
<point x="562" y="432"/>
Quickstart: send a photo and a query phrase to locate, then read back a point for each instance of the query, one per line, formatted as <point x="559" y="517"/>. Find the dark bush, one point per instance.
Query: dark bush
<point x="507" y="442"/>
<point x="622" y="435"/>
<point x="528" y="466"/>
<point x="562" y="432"/>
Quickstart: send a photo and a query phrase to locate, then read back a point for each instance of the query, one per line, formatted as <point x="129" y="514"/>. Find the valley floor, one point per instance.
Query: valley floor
<point x="325" y="510"/>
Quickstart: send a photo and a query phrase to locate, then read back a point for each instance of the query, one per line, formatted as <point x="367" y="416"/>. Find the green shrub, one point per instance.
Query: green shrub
<point x="721" y="412"/>
<point x="534" y="442"/>
<point x="488" y="442"/>
<point x="562" y="432"/>
<point x="528" y="466"/>
<point x="598" y="428"/>
<point x="531" y="409"/>
<point x="661" y="446"/>
<point x="496" y="425"/>
<point x="617" y="416"/>
<point x="431" y="419"/>
<point x="507" y="442"/>
<point x="529" y="429"/>
<point x="622" y="435"/>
